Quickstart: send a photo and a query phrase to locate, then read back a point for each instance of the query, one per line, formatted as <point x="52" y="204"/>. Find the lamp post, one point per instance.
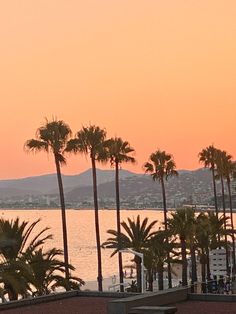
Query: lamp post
<point x="142" y="264"/>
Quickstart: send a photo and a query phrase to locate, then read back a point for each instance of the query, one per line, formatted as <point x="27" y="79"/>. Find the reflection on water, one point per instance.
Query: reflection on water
<point x="81" y="235"/>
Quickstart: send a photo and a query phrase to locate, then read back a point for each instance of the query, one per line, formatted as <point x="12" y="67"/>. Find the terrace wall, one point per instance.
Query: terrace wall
<point x="122" y="306"/>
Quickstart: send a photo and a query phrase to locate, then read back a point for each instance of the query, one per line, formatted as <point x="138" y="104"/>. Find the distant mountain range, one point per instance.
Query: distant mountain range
<point x="136" y="190"/>
<point x="141" y="191"/>
<point x="47" y="184"/>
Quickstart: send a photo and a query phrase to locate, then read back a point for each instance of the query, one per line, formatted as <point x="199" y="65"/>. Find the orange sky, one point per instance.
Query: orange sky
<point x="161" y="74"/>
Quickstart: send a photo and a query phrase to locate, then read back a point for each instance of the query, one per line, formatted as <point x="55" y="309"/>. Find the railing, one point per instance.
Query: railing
<point x="125" y="285"/>
<point x="224" y="285"/>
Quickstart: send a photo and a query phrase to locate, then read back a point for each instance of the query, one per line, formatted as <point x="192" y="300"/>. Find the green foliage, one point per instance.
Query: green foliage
<point x="133" y="287"/>
<point x="182" y="223"/>
<point x="47" y="272"/>
<point x="25" y="269"/>
<point x="225" y="167"/>
<point x="208" y="157"/>
<point x="210" y="231"/>
<point x="160" y="166"/>
<point x="135" y="236"/>
<point x="52" y="137"/>
<point x="119" y="151"/>
<point x="15" y="235"/>
<point x="89" y="141"/>
<point x="156" y="250"/>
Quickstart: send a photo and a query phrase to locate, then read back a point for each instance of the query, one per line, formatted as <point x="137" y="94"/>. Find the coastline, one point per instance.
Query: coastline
<point x="227" y="210"/>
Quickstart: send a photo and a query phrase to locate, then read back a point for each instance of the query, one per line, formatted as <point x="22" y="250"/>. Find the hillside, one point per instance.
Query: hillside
<point x="136" y="190"/>
<point x="189" y="186"/>
<point x="47" y="184"/>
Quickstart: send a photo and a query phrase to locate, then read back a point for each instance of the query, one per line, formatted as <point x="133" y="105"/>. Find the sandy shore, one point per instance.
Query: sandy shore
<point x="112" y="283"/>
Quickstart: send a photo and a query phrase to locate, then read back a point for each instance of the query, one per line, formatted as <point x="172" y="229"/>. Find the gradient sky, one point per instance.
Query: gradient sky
<point x="160" y="74"/>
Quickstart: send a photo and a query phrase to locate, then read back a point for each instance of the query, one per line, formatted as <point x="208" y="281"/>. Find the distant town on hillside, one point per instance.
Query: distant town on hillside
<point x="137" y="191"/>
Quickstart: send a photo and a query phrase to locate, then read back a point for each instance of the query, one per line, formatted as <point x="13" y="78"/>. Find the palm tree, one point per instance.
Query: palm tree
<point x="226" y="169"/>
<point x="155" y="257"/>
<point x="208" y="157"/>
<point x="230" y="170"/>
<point x="202" y="238"/>
<point x="209" y="231"/>
<point x="222" y="160"/>
<point x="119" y="152"/>
<point x="228" y="178"/>
<point x="52" y="138"/>
<point x="136" y="236"/>
<point x="191" y="243"/>
<point x="47" y="272"/>
<point x="161" y="166"/>
<point x="15" y="246"/>
<point x="182" y="223"/>
<point x="216" y="225"/>
<point x="15" y="278"/>
<point x="90" y="141"/>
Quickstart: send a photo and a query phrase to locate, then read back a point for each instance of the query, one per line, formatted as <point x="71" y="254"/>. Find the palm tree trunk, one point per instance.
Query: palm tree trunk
<point x="160" y="278"/>
<point x="215" y="195"/>
<point x="203" y="272"/>
<point x="184" y="263"/>
<point x="208" y="264"/>
<point x="95" y="197"/>
<point x="63" y="217"/>
<point x="166" y="227"/>
<point x="12" y="295"/>
<point x="232" y="226"/>
<point x="139" y="273"/>
<point x="193" y="264"/>
<point x="118" y="227"/>
<point x="224" y="213"/>
<point x="150" y="280"/>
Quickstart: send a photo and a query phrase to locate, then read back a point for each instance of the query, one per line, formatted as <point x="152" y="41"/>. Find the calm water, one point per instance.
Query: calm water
<point x="81" y="235"/>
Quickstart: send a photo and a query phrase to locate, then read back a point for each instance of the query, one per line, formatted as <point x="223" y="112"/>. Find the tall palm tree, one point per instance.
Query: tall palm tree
<point x="232" y="170"/>
<point x="226" y="169"/>
<point x="191" y="243"/>
<point x="52" y="138"/>
<point x="135" y="236"/>
<point x="182" y="224"/>
<point x="90" y="141"/>
<point x="161" y="166"/>
<point x="202" y="238"/>
<point x="208" y="157"/>
<point x="119" y="152"/>
<point x="222" y="160"/>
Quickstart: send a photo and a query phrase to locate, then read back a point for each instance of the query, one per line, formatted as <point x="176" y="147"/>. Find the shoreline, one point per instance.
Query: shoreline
<point x="112" y="209"/>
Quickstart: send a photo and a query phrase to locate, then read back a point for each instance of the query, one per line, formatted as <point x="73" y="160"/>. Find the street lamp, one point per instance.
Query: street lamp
<point x="142" y="264"/>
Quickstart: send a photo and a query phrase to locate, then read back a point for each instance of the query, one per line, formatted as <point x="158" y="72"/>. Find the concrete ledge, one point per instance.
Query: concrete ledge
<point x="212" y="297"/>
<point x="106" y="294"/>
<point x="153" y="310"/>
<point x="62" y="295"/>
<point x="122" y="306"/>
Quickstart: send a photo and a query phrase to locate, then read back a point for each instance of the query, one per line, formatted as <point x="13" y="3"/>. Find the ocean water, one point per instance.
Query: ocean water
<point x="81" y="235"/>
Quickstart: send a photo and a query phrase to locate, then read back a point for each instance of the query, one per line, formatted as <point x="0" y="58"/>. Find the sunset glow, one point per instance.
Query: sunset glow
<point x="160" y="74"/>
